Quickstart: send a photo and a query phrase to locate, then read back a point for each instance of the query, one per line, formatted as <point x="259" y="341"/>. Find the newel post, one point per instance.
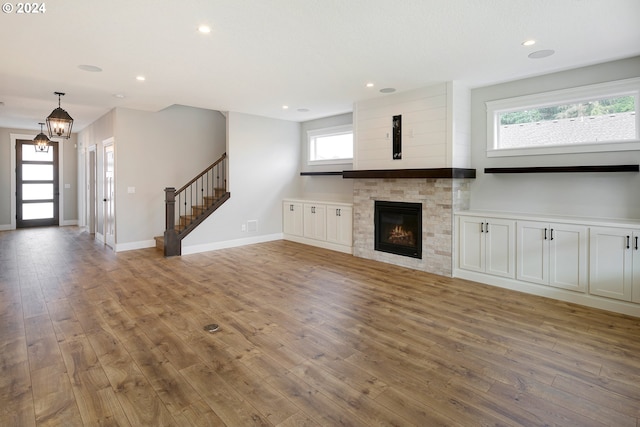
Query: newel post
<point x="171" y="241"/>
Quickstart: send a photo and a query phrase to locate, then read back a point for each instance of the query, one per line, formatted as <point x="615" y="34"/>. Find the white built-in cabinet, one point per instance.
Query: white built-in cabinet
<point x="340" y="224"/>
<point x="552" y="254"/>
<point x="615" y="263"/>
<point x="292" y="218"/>
<point x="596" y="261"/>
<point x="324" y="224"/>
<point x="487" y="245"/>
<point x="315" y="221"/>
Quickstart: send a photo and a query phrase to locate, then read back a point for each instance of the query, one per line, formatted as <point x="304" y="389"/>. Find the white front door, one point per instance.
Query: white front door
<point x="109" y="196"/>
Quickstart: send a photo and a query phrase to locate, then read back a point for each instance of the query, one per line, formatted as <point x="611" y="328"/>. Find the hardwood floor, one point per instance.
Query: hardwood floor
<point x="307" y="337"/>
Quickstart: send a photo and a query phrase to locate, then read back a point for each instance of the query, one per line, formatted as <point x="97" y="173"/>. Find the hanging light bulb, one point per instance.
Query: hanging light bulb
<point x="59" y="121"/>
<point x="41" y="141"/>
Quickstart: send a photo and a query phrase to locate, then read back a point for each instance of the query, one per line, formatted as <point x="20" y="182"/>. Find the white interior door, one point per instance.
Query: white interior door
<point x="91" y="189"/>
<point x="109" y="196"/>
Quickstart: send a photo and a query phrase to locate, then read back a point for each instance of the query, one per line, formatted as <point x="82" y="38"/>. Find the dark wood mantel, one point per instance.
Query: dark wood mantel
<point x="565" y="169"/>
<point x="411" y="173"/>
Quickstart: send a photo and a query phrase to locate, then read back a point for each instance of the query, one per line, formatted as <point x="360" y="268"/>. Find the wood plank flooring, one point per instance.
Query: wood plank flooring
<point x="307" y="337"/>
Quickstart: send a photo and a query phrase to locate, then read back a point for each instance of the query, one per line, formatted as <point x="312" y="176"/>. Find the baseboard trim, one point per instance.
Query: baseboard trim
<point x="214" y="246"/>
<point x="6" y="227"/>
<point x="144" y="244"/>
<point x="320" y="244"/>
<point x="623" y="307"/>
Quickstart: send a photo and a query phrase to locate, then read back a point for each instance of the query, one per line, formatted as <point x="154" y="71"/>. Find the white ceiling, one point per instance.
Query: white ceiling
<point x="311" y="54"/>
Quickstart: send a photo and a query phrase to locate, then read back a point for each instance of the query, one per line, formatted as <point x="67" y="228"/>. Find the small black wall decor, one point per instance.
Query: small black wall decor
<point x="397" y="137"/>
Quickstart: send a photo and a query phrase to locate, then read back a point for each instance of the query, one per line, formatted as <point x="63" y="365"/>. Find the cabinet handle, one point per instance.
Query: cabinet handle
<point x="486" y="228"/>
<point x="552" y="234"/>
<point x="337" y="212"/>
<point x="545" y="234"/>
<point x="291" y="208"/>
<point x="636" y="243"/>
<point x="628" y="242"/>
<point x="482" y="227"/>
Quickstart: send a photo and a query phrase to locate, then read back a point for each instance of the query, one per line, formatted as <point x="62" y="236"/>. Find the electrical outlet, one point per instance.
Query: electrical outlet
<point x="244" y="227"/>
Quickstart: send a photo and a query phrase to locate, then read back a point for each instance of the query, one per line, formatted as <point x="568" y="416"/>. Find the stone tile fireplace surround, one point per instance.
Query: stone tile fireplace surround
<point x="440" y="198"/>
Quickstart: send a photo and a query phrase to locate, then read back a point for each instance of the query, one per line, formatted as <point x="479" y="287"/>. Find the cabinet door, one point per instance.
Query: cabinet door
<point x="500" y="247"/>
<point x="315" y="221"/>
<point x="635" y="292"/>
<point x="471" y="245"/>
<point x="568" y="257"/>
<point x="610" y="268"/>
<point x="292" y="218"/>
<point x="533" y="252"/>
<point x="339" y="225"/>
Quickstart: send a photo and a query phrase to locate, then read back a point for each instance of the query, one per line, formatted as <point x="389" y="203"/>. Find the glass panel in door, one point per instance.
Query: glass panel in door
<point x="37" y="195"/>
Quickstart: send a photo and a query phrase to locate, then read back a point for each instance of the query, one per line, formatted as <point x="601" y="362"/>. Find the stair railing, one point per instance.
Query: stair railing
<point x="188" y="206"/>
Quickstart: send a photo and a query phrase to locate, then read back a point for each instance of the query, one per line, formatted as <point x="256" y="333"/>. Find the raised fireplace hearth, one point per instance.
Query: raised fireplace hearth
<point x="398" y="228"/>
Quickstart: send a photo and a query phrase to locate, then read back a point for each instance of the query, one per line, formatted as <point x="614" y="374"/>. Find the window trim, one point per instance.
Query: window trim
<point x="624" y="87"/>
<point x="328" y="131"/>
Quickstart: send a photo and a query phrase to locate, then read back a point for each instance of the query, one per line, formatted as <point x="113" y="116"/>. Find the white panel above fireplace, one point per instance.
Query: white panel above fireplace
<point x="435" y="129"/>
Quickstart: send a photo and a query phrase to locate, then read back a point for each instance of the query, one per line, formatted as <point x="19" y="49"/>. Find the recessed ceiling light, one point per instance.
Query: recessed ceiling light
<point x="303" y="110"/>
<point x="541" y="53"/>
<point x="387" y="90"/>
<point x="285" y="107"/>
<point x="369" y="84"/>
<point x="141" y="78"/>
<point x="118" y="95"/>
<point x="529" y="42"/>
<point x="204" y="29"/>
<point x="90" y="68"/>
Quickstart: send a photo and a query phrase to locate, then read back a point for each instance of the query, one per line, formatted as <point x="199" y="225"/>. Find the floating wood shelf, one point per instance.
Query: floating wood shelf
<point x="320" y="173"/>
<point x="565" y="169"/>
<point x="411" y="173"/>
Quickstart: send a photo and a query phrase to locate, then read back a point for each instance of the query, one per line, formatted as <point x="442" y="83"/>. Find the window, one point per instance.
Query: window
<point x="331" y="145"/>
<point x="585" y="119"/>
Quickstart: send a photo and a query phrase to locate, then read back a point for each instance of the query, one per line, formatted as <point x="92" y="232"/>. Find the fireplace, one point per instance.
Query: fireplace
<point x="398" y="228"/>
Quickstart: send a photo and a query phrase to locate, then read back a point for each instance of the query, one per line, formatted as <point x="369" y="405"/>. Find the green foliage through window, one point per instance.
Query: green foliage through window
<point x="622" y="104"/>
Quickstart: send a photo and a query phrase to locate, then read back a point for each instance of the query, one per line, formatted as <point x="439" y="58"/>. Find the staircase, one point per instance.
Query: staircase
<point x="187" y="207"/>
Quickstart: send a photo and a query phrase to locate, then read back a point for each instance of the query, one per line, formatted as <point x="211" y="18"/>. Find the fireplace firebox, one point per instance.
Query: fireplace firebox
<point x="398" y="228"/>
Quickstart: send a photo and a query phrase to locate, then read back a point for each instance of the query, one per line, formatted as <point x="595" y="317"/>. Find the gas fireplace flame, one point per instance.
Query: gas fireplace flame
<point x="400" y="236"/>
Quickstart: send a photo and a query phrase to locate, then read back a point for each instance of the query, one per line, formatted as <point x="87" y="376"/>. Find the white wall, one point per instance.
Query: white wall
<point x="94" y="134"/>
<point x="435" y="129"/>
<point x="264" y="167"/>
<point x="154" y="151"/>
<point x="604" y="195"/>
<point x="330" y="188"/>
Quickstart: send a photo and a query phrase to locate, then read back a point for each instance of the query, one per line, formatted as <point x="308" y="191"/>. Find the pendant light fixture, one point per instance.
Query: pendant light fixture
<point x="59" y="121"/>
<point x="41" y="141"/>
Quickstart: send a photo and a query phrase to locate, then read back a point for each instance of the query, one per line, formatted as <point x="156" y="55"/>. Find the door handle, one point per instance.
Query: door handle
<point x="104" y="200"/>
<point x="552" y="234"/>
